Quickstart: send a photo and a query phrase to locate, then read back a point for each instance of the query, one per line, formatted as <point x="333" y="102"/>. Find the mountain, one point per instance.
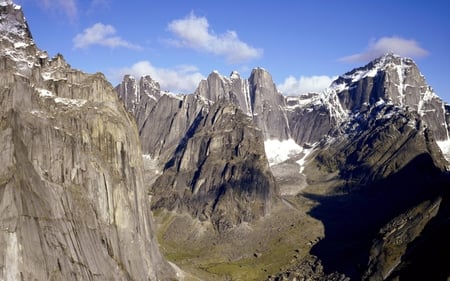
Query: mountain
<point x="72" y="197"/>
<point x="188" y="134"/>
<point x="234" y="181"/>
<point x="376" y="137"/>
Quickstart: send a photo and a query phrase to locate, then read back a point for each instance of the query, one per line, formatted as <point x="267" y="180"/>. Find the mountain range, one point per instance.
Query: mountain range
<point x="232" y="182"/>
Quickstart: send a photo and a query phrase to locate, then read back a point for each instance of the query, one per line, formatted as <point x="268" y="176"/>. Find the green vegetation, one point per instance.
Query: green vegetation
<point x="248" y="252"/>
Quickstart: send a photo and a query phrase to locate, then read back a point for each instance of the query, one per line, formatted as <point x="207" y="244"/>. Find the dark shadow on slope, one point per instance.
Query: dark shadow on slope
<point x="183" y="142"/>
<point x="428" y="257"/>
<point x="352" y="220"/>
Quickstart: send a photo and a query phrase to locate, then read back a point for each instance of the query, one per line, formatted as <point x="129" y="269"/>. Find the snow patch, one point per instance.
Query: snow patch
<point x="19" y="45"/>
<point x="380" y="102"/>
<point x="445" y="148"/>
<point x="46" y="76"/>
<point x="360" y="74"/>
<point x="43" y="93"/>
<point x="70" y="102"/>
<point x="279" y="151"/>
<point x="400" y="71"/>
<point x="173" y="95"/>
<point x="302" y="161"/>
<point x="235" y="75"/>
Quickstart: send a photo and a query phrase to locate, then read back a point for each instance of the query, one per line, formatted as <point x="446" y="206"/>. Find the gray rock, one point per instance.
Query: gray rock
<point x="268" y="106"/>
<point x="72" y="200"/>
<point x="219" y="170"/>
<point x="378" y="143"/>
<point x="395" y="80"/>
<point x="257" y="97"/>
<point x="309" y="121"/>
<point x="393" y="240"/>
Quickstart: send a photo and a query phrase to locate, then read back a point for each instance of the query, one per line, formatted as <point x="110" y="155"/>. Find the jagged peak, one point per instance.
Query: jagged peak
<point x="390" y="59"/>
<point x="259" y="68"/>
<point x="128" y="77"/>
<point x="4" y="3"/>
<point x="13" y="25"/>
<point x="260" y="73"/>
<point x="373" y="68"/>
<point x="235" y="75"/>
<point x="147" y="80"/>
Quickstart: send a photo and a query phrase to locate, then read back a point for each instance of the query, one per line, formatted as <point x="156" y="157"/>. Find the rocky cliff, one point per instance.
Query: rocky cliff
<point x="219" y="170"/>
<point x="210" y="144"/>
<point x="395" y="80"/>
<point x="256" y="96"/>
<point x="72" y="199"/>
<point x="365" y="150"/>
<point x="380" y="167"/>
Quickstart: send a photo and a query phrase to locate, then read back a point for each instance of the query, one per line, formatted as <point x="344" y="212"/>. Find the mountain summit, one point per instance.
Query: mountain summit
<point x="73" y="205"/>
<point x="372" y="137"/>
<point x="244" y="183"/>
<point x="12" y="22"/>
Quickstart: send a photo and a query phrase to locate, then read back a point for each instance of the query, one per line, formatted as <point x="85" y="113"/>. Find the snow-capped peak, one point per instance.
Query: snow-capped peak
<point x="374" y="67"/>
<point x="4" y="3"/>
<point x="235" y="75"/>
<point x="13" y="25"/>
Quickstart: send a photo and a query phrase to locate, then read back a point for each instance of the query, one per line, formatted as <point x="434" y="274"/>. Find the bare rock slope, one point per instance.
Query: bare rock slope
<point x="72" y="200"/>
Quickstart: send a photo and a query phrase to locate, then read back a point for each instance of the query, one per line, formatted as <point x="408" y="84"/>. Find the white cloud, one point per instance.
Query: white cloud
<point x="103" y="35"/>
<point x="397" y="45"/>
<point x="303" y="85"/>
<point x="193" y="32"/>
<point x="68" y="7"/>
<point x="180" y="79"/>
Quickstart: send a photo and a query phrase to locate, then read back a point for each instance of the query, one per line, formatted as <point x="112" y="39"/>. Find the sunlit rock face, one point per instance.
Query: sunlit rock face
<point x="256" y="96"/>
<point x="369" y="149"/>
<point x="72" y="200"/>
<point x="219" y="171"/>
<point x="394" y="80"/>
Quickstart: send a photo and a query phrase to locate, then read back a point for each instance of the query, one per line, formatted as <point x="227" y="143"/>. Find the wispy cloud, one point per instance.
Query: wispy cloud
<point x="179" y="79"/>
<point x="304" y="84"/>
<point x="102" y="35"/>
<point x="97" y="5"/>
<point x="397" y="45"/>
<point x="67" y="7"/>
<point x="194" y="32"/>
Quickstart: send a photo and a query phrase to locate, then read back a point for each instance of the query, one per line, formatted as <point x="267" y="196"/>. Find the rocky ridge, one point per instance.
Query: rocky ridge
<point x="219" y="171"/>
<point x="374" y="131"/>
<point x="200" y="173"/>
<point x="72" y="199"/>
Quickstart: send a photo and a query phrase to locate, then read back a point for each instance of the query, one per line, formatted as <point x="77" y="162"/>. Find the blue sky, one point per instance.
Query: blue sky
<point x="303" y="44"/>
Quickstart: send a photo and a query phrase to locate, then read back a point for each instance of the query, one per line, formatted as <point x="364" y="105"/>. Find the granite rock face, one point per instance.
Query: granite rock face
<point x="219" y="170"/>
<point x="395" y="80"/>
<point x="256" y="97"/>
<point x="312" y="117"/>
<point x="378" y="143"/>
<point x="72" y="200"/>
<point x="364" y="142"/>
<point x="163" y="118"/>
<point x="229" y="182"/>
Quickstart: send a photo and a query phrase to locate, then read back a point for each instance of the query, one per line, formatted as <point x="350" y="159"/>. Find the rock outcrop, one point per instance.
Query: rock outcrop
<point x="378" y="143"/>
<point x="73" y="205"/>
<point x="163" y="118"/>
<point x="371" y="139"/>
<point x="219" y="170"/>
<point x="256" y="97"/>
<point x="312" y="117"/>
<point x="394" y="80"/>
<point x="229" y="182"/>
